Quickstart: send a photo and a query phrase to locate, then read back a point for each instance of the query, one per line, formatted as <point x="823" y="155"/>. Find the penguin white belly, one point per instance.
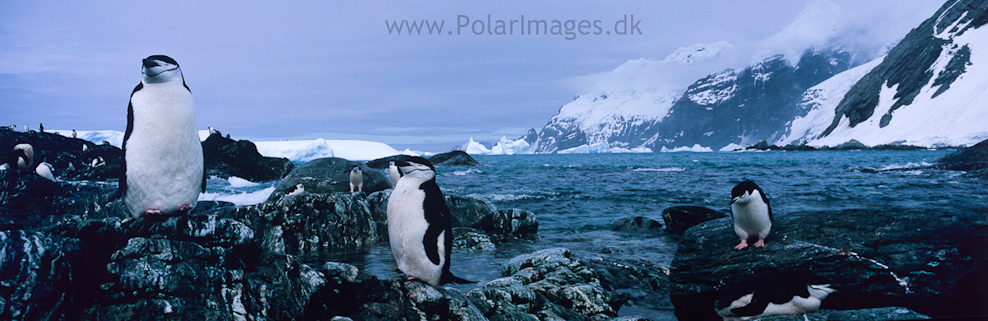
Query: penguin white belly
<point x="751" y="219"/>
<point x="406" y="230"/>
<point x="164" y="155"/>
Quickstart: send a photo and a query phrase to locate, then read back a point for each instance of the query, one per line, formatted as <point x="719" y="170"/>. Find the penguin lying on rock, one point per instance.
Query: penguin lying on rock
<point x="769" y="294"/>
<point x="420" y="225"/>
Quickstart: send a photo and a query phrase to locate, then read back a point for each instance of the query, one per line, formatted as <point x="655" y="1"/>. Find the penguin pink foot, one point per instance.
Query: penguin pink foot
<point x="185" y="207"/>
<point x="152" y="211"/>
<point x="760" y="243"/>
<point x="743" y="244"/>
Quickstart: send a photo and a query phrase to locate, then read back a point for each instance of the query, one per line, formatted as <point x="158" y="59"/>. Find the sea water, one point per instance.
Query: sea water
<point x="576" y="198"/>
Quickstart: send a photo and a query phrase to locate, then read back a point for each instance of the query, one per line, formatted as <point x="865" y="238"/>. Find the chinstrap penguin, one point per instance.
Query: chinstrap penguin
<point x="163" y="163"/>
<point x="420" y="225"/>
<point x="394" y="173"/>
<point x="751" y="212"/>
<point x="356" y="179"/>
<point x="772" y="294"/>
<point x="21" y="156"/>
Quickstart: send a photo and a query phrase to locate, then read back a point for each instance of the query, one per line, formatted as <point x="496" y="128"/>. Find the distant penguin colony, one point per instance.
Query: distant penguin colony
<point x="163" y="162"/>
<point x="751" y="212"/>
<point x="356" y="179"/>
<point x="772" y="294"/>
<point x="420" y="225"/>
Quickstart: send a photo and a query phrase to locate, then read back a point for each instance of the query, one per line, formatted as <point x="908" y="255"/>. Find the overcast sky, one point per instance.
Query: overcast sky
<point x="331" y="69"/>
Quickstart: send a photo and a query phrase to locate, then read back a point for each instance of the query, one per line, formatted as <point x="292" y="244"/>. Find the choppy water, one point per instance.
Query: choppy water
<point x="577" y="197"/>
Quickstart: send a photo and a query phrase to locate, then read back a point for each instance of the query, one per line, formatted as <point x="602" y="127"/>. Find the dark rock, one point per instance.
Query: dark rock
<point x="924" y="260"/>
<point x="636" y="224"/>
<point x="469" y="211"/>
<point x="311" y="225"/>
<point x="973" y="158"/>
<point x="35" y="275"/>
<point x="329" y="175"/>
<point x="378" y="203"/>
<point x="507" y="225"/>
<point x="680" y="218"/>
<point x="890" y="313"/>
<point x="29" y="201"/>
<point x="850" y="145"/>
<point x="225" y="157"/>
<point x="560" y="284"/>
<point x="453" y="158"/>
<point x="471" y="240"/>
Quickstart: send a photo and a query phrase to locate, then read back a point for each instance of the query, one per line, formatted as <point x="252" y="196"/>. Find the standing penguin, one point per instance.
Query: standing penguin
<point x="356" y="179"/>
<point x="768" y="294"/>
<point x="751" y="212"/>
<point x="163" y="163"/>
<point x="394" y="172"/>
<point x="420" y="225"/>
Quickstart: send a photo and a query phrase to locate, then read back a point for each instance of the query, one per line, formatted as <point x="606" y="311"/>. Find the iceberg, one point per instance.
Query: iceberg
<point x="307" y="150"/>
<point x="114" y="137"/>
<point x="475" y="148"/>
<point x="511" y="147"/>
<point x="696" y="149"/>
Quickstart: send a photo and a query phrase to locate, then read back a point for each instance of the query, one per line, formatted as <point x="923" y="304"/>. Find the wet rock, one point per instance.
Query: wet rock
<point x="509" y="225"/>
<point x="890" y="313"/>
<point x="680" y="218"/>
<point x="971" y="159"/>
<point x="312" y="225"/>
<point x="329" y="175"/>
<point x="569" y="287"/>
<point x="469" y="211"/>
<point x="224" y="157"/>
<point x="378" y="203"/>
<point x="35" y="275"/>
<point x="453" y="158"/>
<point x="29" y="201"/>
<point x="471" y="240"/>
<point x="637" y="224"/>
<point x="924" y="260"/>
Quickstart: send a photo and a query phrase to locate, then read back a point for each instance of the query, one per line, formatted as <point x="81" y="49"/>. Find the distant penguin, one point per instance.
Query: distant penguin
<point x="45" y="170"/>
<point x="163" y="163"/>
<point x="394" y="172"/>
<point x="71" y="167"/>
<point x="213" y="130"/>
<point x="41" y="128"/>
<point x="21" y="157"/>
<point x="772" y="294"/>
<point x="751" y="212"/>
<point x="356" y="179"/>
<point x="299" y="189"/>
<point x="27" y="128"/>
<point x="420" y="225"/>
<point x="74" y="134"/>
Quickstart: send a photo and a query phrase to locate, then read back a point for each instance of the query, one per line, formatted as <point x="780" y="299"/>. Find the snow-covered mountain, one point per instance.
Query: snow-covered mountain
<point x="930" y="90"/>
<point x="727" y="107"/>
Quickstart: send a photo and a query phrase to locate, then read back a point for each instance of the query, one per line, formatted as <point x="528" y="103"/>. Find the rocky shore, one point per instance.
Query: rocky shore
<point x="69" y="252"/>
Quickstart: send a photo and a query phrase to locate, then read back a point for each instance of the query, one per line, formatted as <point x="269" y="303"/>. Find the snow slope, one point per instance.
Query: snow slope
<point x="821" y="102"/>
<point x="955" y="117"/>
<point x="307" y="150"/>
